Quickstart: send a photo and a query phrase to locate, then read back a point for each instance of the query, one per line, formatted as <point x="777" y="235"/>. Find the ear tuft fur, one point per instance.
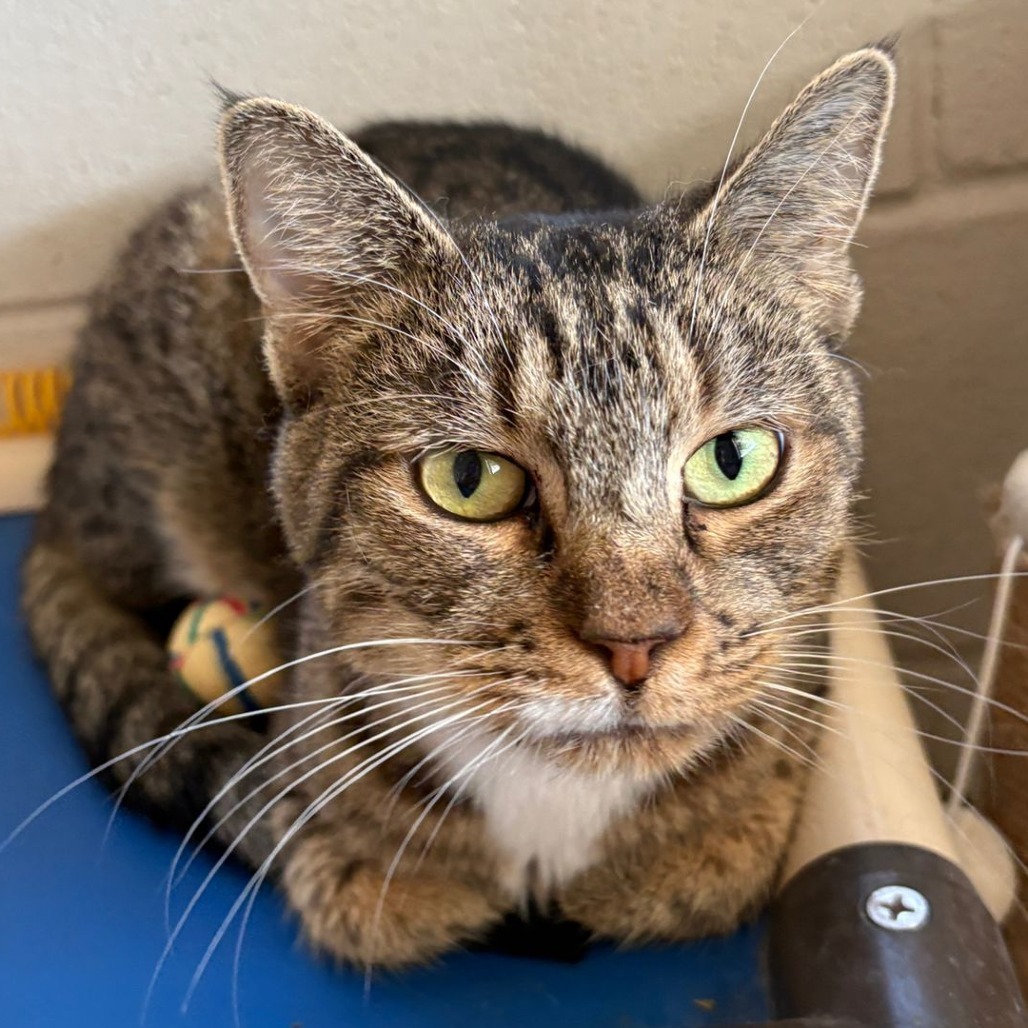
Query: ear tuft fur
<point x="227" y="98"/>
<point x="888" y="45"/>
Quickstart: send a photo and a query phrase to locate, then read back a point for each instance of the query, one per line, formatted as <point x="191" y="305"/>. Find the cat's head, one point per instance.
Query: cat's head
<point x="599" y="455"/>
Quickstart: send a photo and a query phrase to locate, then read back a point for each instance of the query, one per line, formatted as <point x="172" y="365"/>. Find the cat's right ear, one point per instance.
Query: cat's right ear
<point x="329" y="240"/>
<point x="789" y="210"/>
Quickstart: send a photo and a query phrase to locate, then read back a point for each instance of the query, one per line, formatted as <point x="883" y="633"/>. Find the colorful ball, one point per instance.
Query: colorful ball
<point x="217" y="646"/>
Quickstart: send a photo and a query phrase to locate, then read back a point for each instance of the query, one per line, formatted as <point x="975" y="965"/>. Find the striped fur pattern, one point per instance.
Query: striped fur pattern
<point x="250" y="402"/>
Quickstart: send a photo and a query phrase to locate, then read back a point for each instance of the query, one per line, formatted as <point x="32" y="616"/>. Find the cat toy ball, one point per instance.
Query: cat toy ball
<point x="218" y="646"/>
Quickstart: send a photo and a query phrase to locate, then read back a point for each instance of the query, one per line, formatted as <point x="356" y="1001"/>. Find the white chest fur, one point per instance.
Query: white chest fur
<point x="545" y="820"/>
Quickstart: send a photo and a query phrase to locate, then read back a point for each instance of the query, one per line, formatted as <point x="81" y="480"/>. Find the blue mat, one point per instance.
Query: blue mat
<point x="82" y="921"/>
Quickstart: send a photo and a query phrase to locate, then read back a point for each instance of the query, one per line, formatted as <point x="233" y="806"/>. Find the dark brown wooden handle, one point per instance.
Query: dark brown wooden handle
<point x="889" y="936"/>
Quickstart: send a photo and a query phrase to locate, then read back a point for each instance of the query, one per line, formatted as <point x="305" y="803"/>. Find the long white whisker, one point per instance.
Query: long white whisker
<point x="141" y="748"/>
<point x="278" y="608"/>
<point x="920" y="675"/>
<point x="776" y="743"/>
<point x="915" y="694"/>
<point x="464" y="729"/>
<point x="278" y="747"/>
<point x="892" y="633"/>
<point x="819" y="723"/>
<point x="304" y="737"/>
<point x="413" y="683"/>
<point x="465" y="773"/>
<point x="218" y="701"/>
<point x="274" y="748"/>
<point x="456" y="796"/>
<point x="311" y="811"/>
<point x="845" y="601"/>
<point x="199" y="892"/>
<point x="795" y="670"/>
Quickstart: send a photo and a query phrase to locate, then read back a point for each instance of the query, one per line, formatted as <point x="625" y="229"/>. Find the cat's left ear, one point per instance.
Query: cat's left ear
<point x="789" y="211"/>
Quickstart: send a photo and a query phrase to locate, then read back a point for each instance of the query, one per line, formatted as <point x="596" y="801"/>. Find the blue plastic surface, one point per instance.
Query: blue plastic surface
<point x="82" y="924"/>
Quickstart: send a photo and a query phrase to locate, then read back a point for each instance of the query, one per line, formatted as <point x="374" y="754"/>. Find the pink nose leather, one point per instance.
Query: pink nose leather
<point x="629" y="661"/>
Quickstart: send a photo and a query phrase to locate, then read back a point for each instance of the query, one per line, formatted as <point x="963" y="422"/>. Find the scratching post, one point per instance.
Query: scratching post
<point x="1005" y="791"/>
<point x="878" y="921"/>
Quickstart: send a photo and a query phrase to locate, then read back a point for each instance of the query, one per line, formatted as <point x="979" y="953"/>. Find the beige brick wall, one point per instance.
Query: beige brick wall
<point x="944" y="332"/>
<point x="981" y="88"/>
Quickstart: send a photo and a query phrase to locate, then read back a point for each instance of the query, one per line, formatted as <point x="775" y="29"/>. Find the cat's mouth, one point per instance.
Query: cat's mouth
<point x="629" y="731"/>
<point x="634" y="746"/>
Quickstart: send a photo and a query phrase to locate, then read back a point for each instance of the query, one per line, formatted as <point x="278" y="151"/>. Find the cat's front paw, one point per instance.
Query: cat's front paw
<point x="350" y="913"/>
<point x="686" y="888"/>
<point x="689" y="901"/>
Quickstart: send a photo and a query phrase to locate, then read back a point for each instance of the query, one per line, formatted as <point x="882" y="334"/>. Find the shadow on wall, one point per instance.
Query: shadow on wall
<point x="68" y="239"/>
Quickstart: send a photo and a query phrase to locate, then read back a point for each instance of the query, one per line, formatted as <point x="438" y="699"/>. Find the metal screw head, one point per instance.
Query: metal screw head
<point x="898" y="908"/>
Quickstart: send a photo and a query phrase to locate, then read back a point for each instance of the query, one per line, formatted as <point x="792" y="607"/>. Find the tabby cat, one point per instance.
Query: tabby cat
<point x="540" y="471"/>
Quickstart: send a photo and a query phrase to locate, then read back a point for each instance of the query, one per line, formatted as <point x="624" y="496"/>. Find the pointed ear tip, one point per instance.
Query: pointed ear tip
<point x="877" y="58"/>
<point x="234" y="115"/>
<point x="239" y="107"/>
<point x="887" y="45"/>
<point x="870" y="73"/>
<point x="249" y="117"/>
<point x="272" y="116"/>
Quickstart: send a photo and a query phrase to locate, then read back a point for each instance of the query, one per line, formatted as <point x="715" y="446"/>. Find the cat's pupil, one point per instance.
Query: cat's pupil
<point x="467" y="472"/>
<point x="727" y="455"/>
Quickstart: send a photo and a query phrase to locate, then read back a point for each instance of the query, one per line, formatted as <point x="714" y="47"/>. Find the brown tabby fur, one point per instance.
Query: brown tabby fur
<point x="597" y="351"/>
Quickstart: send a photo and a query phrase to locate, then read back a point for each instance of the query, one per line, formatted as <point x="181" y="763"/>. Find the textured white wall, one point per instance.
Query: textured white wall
<point x="105" y="107"/>
<point x="105" y="103"/>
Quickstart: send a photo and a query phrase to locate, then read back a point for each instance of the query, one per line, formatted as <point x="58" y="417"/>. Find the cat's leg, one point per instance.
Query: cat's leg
<point x="351" y="913"/>
<point x="686" y="868"/>
<point x="109" y="567"/>
<point x="111" y="675"/>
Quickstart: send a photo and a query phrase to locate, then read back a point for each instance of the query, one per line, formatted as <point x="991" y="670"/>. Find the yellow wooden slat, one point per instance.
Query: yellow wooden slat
<point x="30" y="400"/>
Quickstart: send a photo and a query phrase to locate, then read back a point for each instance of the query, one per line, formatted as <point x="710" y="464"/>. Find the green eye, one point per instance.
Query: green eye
<point x="473" y="484"/>
<point x="733" y="468"/>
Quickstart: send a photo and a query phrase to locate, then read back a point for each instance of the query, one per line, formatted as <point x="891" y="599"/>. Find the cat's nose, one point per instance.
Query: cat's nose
<point x="630" y="661"/>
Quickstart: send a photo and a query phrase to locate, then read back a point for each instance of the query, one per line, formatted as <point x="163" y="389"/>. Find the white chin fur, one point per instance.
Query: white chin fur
<point x="545" y="821"/>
